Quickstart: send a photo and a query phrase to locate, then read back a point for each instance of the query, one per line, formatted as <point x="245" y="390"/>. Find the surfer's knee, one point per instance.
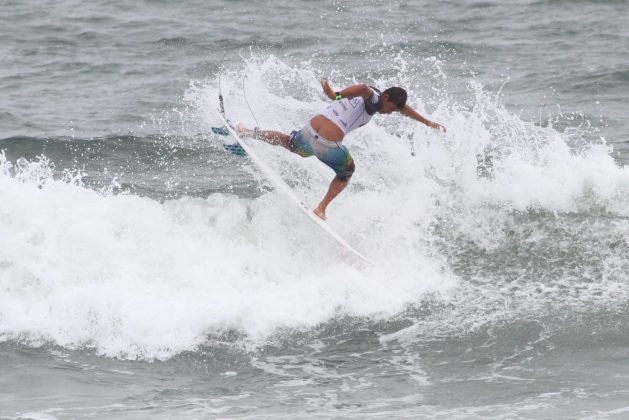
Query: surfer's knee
<point x="345" y="172"/>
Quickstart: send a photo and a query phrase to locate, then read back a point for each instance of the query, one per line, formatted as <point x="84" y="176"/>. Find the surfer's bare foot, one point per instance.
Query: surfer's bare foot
<point x="320" y="213"/>
<point x="242" y="130"/>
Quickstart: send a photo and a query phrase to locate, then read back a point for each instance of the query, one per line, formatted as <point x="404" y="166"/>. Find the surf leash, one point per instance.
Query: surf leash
<point x="244" y="93"/>
<point x="220" y="94"/>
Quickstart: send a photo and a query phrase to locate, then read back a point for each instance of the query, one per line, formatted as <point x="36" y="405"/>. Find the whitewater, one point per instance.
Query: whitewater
<point x="135" y="277"/>
<point x="147" y="272"/>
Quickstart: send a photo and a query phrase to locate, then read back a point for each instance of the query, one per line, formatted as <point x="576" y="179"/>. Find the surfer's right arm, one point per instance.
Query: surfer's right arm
<point x="349" y="92"/>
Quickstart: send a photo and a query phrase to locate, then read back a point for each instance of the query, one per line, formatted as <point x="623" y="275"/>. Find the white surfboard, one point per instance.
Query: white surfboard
<point x="281" y="185"/>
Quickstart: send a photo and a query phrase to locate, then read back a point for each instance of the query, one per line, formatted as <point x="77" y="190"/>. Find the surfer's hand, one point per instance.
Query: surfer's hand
<point x="437" y="126"/>
<point x="327" y="89"/>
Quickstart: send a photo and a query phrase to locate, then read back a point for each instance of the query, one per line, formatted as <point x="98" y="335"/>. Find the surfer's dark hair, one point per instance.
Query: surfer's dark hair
<point x="397" y="95"/>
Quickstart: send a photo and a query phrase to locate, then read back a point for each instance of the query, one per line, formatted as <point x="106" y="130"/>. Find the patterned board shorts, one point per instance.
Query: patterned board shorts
<point x="306" y="142"/>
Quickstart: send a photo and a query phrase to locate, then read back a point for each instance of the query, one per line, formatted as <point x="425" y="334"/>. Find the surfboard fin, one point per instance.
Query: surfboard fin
<point x="234" y="149"/>
<point x="221" y="131"/>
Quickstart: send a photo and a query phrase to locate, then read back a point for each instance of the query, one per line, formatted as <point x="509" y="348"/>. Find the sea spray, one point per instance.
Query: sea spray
<point x="132" y="276"/>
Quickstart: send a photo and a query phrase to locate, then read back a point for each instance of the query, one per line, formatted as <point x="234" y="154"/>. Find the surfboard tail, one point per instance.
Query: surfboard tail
<point x="233" y="148"/>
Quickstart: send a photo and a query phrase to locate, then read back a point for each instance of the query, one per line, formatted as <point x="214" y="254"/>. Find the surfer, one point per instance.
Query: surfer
<point x="323" y="135"/>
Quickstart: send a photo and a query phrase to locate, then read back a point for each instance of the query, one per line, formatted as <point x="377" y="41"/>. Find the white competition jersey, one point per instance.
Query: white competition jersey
<point x="349" y="114"/>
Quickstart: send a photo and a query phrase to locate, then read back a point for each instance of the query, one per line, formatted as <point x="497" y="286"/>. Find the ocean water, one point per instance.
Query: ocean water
<point x="147" y="273"/>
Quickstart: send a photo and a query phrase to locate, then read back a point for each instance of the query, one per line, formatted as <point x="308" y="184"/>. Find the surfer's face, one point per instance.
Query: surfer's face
<point x="387" y="106"/>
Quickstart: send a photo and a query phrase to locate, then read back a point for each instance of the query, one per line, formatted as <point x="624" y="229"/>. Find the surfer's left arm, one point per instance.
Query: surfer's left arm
<point x="349" y="92"/>
<point x="411" y="113"/>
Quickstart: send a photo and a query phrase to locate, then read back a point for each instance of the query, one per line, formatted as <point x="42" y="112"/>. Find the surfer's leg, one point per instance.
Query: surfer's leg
<point x="339" y="159"/>
<point x="336" y="186"/>
<point x="275" y="138"/>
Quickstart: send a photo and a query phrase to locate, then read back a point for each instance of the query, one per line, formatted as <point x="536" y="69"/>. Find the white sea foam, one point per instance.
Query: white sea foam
<point x="133" y="277"/>
<point x="130" y="276"/>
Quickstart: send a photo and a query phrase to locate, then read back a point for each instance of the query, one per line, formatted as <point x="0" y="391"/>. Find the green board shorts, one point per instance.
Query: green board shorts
<point x="307" y="142"/>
